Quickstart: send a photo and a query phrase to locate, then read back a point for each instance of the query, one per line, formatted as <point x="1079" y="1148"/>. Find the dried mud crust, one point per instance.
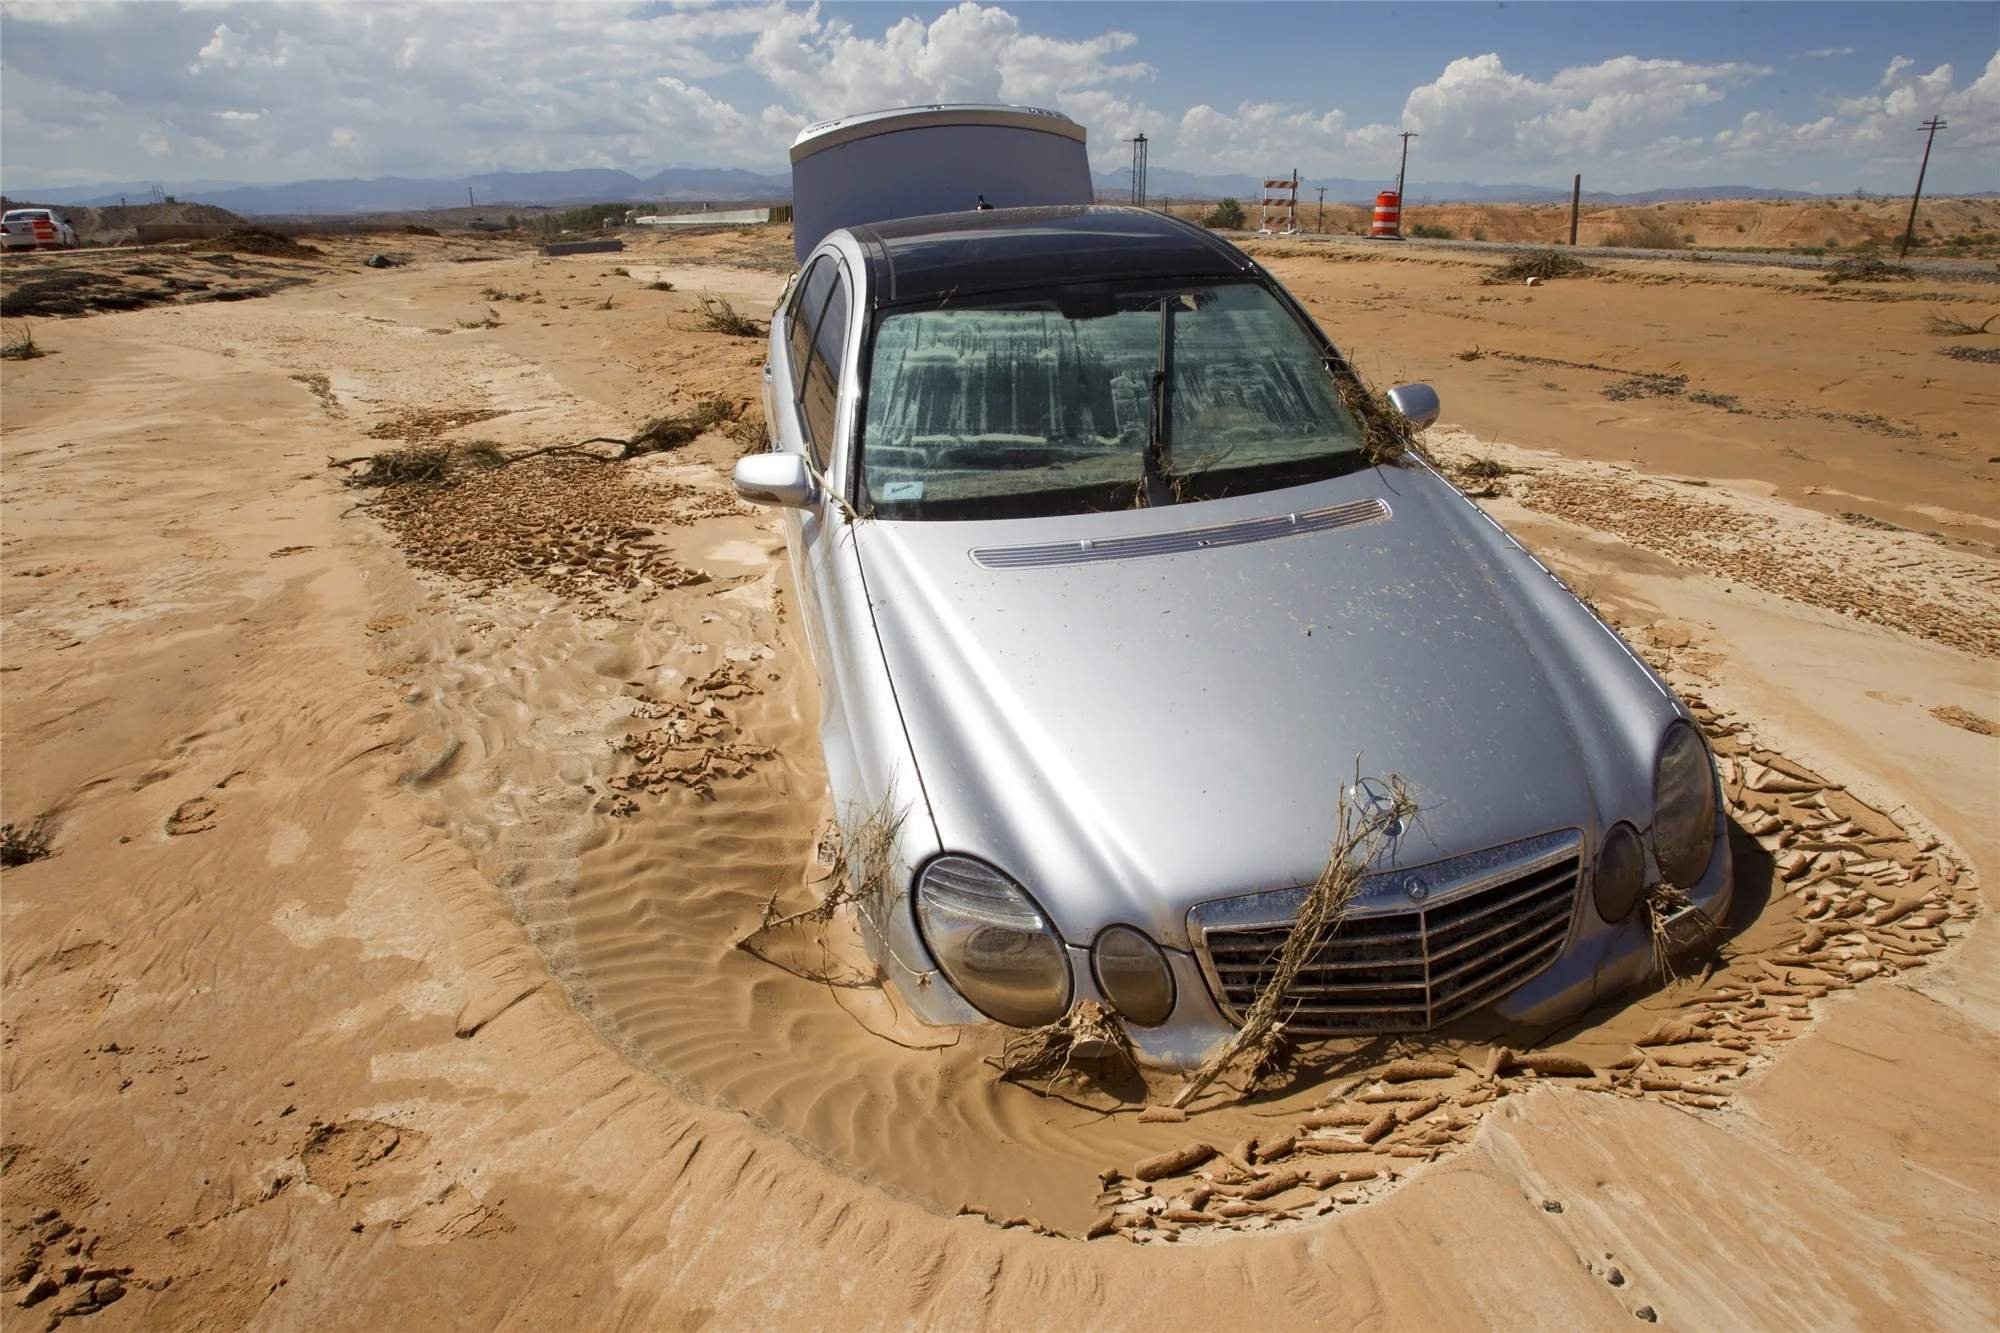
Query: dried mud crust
<point x="696" y="744"/>
<point x="1853" y="897"/>
<point x="55" y="1267"/>
<point x="580" y="528"/>
<point x="1924" y="593"/>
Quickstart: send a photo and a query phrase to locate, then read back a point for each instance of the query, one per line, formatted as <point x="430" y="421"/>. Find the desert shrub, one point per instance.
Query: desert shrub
<point x="21" y="846"/>
<point x="718" y="316"/>
<point x="1646" y="234"/>
<point x="492" y="321"/>
<point x="661" y="286"/>
<point x="1539" y="264"/>
<point x="1227" y="214"/>
<point x="1479" y="233"/>
<point x="417" y="229"/>
<point x="20" y="345"/>
<point x="1866" y="268"/>
<point x="1426" y="231"/>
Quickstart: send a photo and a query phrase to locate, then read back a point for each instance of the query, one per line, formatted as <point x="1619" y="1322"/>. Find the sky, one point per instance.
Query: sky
<point x="1823" y="97"/>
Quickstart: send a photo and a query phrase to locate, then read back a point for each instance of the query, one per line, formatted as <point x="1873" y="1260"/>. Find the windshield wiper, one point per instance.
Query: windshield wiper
<point x="1153" y="487"/>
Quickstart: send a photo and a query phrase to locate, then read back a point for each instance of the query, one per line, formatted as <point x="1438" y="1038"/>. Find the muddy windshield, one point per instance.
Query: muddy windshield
<point x="1092" y="398"/>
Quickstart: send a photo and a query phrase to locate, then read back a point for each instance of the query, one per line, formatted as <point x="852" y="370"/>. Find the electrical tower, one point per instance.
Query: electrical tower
<point x="1933" y="125"/>
<point x="1138" y="142"/>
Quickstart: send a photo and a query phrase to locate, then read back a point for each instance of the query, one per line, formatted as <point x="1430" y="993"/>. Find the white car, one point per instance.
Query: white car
<point x="1106" y="596"/>
<point x="37" y="229"/>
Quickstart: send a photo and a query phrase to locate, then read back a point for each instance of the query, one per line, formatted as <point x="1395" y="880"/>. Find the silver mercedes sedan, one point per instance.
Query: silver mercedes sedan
<point x="1109" y="605"/>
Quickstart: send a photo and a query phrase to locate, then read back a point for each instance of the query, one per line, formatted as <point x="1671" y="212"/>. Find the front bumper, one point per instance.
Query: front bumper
<point x="1598" y="961"/>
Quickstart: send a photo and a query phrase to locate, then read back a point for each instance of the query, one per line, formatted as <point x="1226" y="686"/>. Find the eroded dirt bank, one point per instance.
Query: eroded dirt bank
<point x="384" y="969"/>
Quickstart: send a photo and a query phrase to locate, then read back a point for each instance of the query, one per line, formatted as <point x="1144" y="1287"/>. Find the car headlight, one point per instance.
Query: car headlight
<point x="992" y="942"/>
<point x="1133" y="974"/>
<point x="1621" y="873"/>
<point x="1683" y="806"/>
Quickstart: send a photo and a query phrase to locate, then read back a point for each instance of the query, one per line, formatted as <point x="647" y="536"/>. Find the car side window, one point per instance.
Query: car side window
<point x="821" y="396"/>
<point x="805" y="314"/>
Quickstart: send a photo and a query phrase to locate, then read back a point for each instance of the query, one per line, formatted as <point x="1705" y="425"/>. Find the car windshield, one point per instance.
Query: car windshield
<point x="1048" y="402"/>
<point x="24" y="215"/>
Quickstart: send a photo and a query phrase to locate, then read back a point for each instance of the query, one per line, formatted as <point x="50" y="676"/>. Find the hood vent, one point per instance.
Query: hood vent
<point x="1043" y="555"/>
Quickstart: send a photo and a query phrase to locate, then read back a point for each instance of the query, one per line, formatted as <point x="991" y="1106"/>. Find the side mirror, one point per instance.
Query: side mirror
<point x="1418" y="402"/>
<point x="775" y="479"/>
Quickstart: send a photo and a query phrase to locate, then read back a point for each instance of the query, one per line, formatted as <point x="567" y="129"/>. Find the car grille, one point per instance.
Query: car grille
<point x="1483" y="925"/>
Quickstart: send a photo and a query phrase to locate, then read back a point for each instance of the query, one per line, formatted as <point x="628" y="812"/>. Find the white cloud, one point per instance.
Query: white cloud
<point x="1262" y="138"/>
<point x="970" y="53"/>
<point x="1477" y="109"/>
<point x="99" y="91"/>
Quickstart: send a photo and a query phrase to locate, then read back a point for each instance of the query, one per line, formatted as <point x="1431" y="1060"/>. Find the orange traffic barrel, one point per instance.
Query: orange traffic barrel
<point x="1388" y="215"/>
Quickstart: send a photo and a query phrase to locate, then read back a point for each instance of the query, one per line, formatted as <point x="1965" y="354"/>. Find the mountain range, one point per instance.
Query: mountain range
<point x="499" y="189"/>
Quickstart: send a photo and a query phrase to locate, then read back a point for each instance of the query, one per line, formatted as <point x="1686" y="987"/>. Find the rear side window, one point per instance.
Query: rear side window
<point x="805" y="314"/>
<point x="822" y="389"/>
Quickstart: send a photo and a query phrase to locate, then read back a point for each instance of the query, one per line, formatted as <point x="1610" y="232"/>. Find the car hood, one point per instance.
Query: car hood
<point x="1131" y="734"/>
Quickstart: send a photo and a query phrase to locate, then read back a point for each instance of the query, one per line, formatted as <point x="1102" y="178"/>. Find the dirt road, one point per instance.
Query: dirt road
<point x="384" y="974"/>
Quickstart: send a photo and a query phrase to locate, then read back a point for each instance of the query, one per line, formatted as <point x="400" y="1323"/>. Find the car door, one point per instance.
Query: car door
<point x="804" y="528"/>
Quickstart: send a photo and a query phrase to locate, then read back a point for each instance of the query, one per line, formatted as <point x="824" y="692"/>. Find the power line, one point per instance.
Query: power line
<point x="1933" y="125"/>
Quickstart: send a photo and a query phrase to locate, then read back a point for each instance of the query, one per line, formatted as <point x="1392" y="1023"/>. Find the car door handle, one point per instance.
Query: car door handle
<point x="767" y="372"/>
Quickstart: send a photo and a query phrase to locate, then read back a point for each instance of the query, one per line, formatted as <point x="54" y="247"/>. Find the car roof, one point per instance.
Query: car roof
<point x="1000" y="249"/>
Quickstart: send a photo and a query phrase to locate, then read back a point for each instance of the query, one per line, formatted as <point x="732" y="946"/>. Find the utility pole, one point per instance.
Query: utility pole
<point x="1138" y="142"/>
<point x="1575" y="199"/>
<point x="1407" y="136"/>
<point x="1933" y="125"/>
<point x="468" y="197"/>
<point x="1320" y="225"/>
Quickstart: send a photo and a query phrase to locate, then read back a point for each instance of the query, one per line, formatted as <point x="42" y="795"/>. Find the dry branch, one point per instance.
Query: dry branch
<point x="1359" y="834"/>
<point x="866" y="872"/>
<point x="1088" y="1033"/>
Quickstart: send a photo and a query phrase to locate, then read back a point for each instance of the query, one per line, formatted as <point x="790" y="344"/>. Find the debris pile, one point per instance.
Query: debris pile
<point x="569" y="524"/>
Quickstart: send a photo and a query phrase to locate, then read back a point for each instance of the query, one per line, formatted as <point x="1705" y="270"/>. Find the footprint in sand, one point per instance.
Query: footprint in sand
<point x="196" y="816"/>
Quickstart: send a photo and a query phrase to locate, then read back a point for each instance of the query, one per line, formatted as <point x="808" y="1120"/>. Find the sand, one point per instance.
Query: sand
<point x="385" y="971"/>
